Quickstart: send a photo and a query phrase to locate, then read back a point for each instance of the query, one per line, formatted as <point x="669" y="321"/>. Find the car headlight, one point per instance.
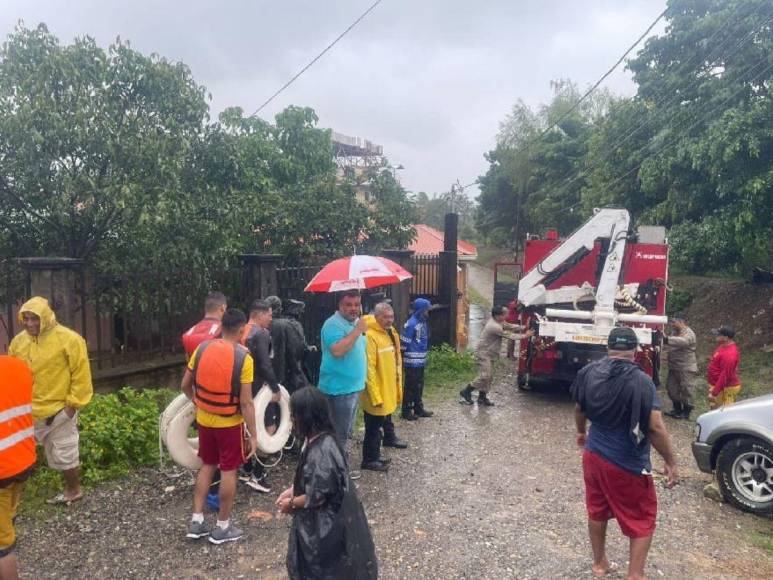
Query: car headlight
<point x="697" y="431"/>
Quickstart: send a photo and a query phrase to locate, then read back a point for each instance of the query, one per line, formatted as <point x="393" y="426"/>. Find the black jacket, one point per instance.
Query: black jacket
<point x="330" y="538"/>
<point x="614" y="392"/>
<point x="262" y="352"/>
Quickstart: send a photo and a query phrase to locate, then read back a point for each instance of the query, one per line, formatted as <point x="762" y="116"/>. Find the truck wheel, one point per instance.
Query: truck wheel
<point x="745" y="474"/>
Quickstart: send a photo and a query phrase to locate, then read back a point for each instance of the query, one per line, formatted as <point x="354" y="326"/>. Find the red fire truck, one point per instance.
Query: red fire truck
<point x="574" y="291"/>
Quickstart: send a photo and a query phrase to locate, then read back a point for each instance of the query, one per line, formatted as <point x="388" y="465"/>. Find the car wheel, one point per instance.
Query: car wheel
<point x="745" y="474"/>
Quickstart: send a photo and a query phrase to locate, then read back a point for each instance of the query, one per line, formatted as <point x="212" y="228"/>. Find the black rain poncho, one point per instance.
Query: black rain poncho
<point x="614" y="391"/>
<point x="289" y="351"/>
<point x="329" y="538"/>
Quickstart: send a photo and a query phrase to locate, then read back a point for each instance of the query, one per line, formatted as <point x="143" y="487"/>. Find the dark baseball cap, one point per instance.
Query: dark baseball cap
<point x="622" y="338"/>
<point x="678" y="316"/>
<point x="724" y="330"/>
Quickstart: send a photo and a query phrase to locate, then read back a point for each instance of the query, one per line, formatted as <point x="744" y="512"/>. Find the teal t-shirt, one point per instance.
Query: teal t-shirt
<point x="341" y="375"/>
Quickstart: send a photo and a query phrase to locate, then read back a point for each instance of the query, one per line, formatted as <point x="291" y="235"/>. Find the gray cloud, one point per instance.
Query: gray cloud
<point x="430" y="80"/>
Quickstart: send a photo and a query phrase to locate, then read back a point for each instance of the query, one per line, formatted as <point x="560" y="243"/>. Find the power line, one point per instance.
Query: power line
<point x="602" y="79"/>
<point x="715" y="54"/>
<point x="316" y="58"/>
<point x="681" y="134"/>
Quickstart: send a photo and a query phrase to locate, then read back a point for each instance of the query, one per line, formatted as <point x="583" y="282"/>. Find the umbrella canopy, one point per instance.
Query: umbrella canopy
<point x="357" y="273"/>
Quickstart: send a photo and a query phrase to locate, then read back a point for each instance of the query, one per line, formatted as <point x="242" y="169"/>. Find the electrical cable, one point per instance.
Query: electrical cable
<point x="671" y="100"/>
<point x="699" y="120"/>
<point x="601" y="80"/>
<point x="316" y="58"/>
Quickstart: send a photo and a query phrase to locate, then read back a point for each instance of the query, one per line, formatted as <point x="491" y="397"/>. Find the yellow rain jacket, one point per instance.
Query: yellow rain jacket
<point x="384" y="385"/>
<point x="59" y="361"/>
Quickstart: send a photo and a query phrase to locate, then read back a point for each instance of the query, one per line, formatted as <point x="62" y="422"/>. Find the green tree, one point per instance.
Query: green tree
<point x="110" y="156"/>
<point x="91" y="141"/>
<point x="694" y="144"/>
<point x="532" y="182"/>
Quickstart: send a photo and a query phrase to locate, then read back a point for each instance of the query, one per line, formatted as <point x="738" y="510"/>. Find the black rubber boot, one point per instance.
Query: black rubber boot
<point x="677" y="411"/>
<point x="686" y="410"/>
<point x="418" y="404"/>
<point x="466" y="395"/>
<point x="408" y="401"/>
<point x="484" y="401"/>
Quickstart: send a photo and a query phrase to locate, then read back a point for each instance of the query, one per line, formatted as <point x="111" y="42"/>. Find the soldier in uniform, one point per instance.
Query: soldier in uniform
<point x="489" y="349"/>
<point x="682" y="367"/>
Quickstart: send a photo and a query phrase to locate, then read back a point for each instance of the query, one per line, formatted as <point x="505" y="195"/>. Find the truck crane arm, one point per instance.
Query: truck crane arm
<point x="607" y="224"/>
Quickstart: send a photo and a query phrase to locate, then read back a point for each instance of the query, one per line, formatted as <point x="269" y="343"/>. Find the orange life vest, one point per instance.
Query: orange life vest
<point x="17" y="431"/>
<point x="248" y="332"/>
<point x="217" y="373"/>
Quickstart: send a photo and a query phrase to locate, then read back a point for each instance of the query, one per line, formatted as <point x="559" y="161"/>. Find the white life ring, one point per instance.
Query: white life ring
<point x="175" y="423"/>
<point x="276" y="442"/>
<point x="179" y="415"/>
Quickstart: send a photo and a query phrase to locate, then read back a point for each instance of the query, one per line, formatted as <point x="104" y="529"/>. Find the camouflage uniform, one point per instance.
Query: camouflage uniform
<point x="682" y="367"/>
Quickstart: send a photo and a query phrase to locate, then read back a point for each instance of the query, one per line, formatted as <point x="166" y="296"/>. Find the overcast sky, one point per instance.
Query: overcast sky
<point x="430" y="80"/>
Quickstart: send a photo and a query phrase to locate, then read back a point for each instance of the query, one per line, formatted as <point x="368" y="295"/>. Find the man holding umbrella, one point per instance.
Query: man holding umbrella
<point x="344" y="366"/>
<point x="344" y="363"/>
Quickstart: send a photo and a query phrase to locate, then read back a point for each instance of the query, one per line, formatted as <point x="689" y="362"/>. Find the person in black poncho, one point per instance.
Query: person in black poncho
<point x="329" y="538"/>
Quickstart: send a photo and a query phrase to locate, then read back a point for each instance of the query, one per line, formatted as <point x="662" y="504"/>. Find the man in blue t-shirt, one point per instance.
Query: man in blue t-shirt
<point x="344" y="362"/>
<point x="623" y="407"/>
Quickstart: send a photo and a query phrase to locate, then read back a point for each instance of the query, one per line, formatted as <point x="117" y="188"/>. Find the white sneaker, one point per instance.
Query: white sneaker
<point x="258" y="484"/>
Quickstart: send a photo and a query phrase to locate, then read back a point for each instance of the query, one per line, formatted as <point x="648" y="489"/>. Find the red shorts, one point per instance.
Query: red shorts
<point x="222" y="446"/>
<point x="613" y="492"/>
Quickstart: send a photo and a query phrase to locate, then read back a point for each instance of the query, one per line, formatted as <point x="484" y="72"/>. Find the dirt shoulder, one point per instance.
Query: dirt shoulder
<point x="491" y="493"/>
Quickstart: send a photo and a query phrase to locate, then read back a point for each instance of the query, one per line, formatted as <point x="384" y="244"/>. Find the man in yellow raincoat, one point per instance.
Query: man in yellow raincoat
<point x="59" y="361"/>
<point x="384" y="384"/>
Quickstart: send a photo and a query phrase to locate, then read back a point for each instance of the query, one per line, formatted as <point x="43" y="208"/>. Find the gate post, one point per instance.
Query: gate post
<point x="401" y="293"/>
<point x="448" y="274"/>
<point x="258" y="277"/>
<point x="61" y="281"/>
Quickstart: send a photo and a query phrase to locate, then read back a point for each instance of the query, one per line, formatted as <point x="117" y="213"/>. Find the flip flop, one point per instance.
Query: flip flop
<point x="612" y="569"/>
<point x="60" y="499"/>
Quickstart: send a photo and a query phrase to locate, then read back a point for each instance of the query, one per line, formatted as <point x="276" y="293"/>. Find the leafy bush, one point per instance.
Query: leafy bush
<point x="678" y="301"/>
<point x="118" y="433"/>
<point x="446" y="367"/>
<point x="706" y="246"/>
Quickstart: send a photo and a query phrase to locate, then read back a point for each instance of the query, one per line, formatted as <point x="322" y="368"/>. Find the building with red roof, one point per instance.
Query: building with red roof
<point x="429" y="241"/>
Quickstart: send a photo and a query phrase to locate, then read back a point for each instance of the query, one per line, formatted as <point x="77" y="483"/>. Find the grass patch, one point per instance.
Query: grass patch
<point x="447" y="370"/>
<point x="477" y="298"/>
<point x="118" y="433"/>
<point x="763" y="540"/>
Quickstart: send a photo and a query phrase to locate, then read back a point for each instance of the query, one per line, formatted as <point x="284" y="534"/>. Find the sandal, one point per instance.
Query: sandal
<point x="60" y="499"/>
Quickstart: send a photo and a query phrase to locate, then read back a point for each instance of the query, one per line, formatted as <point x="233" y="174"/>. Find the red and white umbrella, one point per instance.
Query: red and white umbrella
<point x="357" y="273"/>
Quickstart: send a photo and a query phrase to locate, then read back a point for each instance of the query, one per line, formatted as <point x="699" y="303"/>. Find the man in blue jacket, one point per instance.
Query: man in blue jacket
<point x="414" y="342"/>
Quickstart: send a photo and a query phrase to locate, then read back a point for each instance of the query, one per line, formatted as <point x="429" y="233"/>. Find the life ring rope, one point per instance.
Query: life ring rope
<point x="180" y="414"/>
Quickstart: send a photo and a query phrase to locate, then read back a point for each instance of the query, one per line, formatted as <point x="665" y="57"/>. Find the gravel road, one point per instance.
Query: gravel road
<point x="493" y="493"/>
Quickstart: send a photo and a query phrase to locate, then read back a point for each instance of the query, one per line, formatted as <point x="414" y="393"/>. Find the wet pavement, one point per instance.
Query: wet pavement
<point x="481" y="493"/>
<point x="477" y="319"/>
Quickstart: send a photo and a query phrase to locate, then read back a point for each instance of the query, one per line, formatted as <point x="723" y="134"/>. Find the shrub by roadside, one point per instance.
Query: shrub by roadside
<point x="448" y="369"/>
<point x="118" y="433"/>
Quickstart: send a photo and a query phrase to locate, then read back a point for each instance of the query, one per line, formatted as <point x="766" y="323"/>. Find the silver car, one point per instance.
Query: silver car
<point x="736" y="441"/>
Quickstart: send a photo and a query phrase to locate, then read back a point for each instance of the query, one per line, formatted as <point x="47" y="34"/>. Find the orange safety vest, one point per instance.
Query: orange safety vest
<point x="217" y="373"/>
<point x="17" y="431"/>
<point x="248" y="332"/>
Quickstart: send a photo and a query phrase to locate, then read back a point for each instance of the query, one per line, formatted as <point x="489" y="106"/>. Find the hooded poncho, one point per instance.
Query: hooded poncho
<point x="617" y="397"/>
